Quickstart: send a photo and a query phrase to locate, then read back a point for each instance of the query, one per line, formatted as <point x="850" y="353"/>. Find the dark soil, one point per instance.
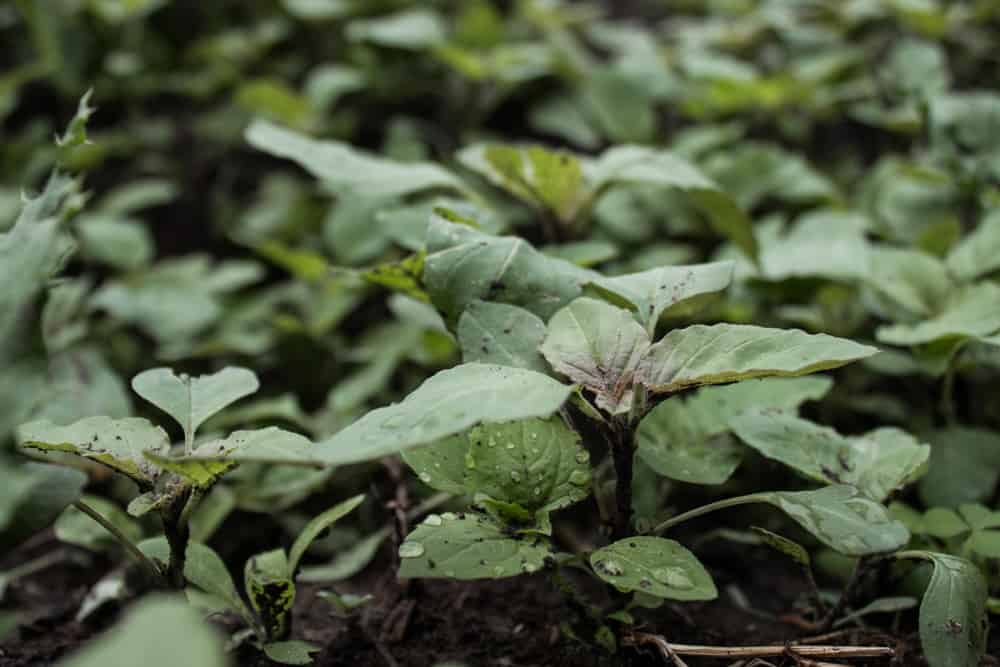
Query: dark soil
<point x="506" y="623"/>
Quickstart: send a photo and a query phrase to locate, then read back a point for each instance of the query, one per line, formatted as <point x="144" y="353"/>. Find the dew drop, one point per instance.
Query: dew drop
<point x="673" y="577"/>
<point x="511" y="445"/>
<point x="449" y="573"/>
<point x="515" y="476"/>
<point x="610" y="568"/>
<point x="582" y="456"/>
<point x="425" y="477"/>
<point x="449" y="516"/>
<point x="529" y="567"/>
<point x="433" y="520"/>
<point x="498" y="571"/>
<point x="411" y="550"/>
<point x="579" y="477"/>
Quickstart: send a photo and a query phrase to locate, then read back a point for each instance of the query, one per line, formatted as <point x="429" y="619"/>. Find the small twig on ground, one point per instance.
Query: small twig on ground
<point x="799" y="651"/>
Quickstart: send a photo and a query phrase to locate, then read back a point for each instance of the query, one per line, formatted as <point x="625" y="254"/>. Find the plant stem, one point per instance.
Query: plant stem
<point x="711" y="507"/>
<point x="128" y="544"/>
<point x="177" y="531"/>
<point x="622" y="442"/>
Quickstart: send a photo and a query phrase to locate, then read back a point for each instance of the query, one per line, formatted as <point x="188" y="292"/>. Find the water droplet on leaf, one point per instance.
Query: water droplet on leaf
<point x="433" y="520"/>
<point x="411" y="550"/>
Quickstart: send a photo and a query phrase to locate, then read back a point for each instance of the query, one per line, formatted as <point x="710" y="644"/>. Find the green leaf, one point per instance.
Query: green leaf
<point x="464" y="265"/>
<point x="782" y="544"/>
<point x="943" y="523"/>
<point x="271" y="591"/>
<point x="498" y="333"/>
<point x="403" y="276"/>
<point x="161" y="631"/>
<point x="598" y="346"/>
<point x="887" y="605"/>
<point x="877" y="463"/>
<point x="964" y="466"/>
<point x="537" y="464"/>
<point x="649" y="293"/>
<point x="468" y="547"/>
<point x="449" y="402"/>
<point x="122" y="244"/>
<point x="972" y="312"/>
<point x="912" y="279"/>
<point x="119" y="444"/>
<point x="203" y="568"/>
<point x="316" y="526"/>
<point x="978" y="253"/>
<point x="654" y="566"/>
<point x="32" y="496"/>
<point x="953" y="623"/>
<point x="843" y="519"/>
<point x="719" y="353"/>
<point x="75" y="527"/>
<point x="410" y="29"/>
<point x="292" y="652"/>
<point x="637" y="164"/>
<point x="346" y="170"/>
<point x="687" y="439"/>
<point x="76" y="132"/>
<point x="441" y="465"/>
<point x="549" y="179"/>
<point x="190" y="401"/>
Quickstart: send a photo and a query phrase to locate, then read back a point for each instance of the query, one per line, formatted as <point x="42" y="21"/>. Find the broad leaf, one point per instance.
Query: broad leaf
<point x="637" y="164"/>
<point x="537" y="464"/>
<point x="548" y="179"/>
<point x="978" y="253"/>
<point x="972" y="312"/>
<point x="649" y="293"/>
<point x="32" y="496"/>
<point x="315" y="527"/>
<point x="687" y="439"/>
<point x="877" y="463"/>
<point x="655" y="566"/>
<point x="468" y="547"/>
<point x="347" y="170"/>
<point x="719" y="353"/>
<point x="964" y="466"/>
<point x="464" y="265"/>
<point x="161" y="631"/>
<point x="119" y="444"/>
<point x="953" y="623"/>
<point x="449" y="402"/>
<point x="598" y="346"/>
<point x="191" y="401"/>
<point x="497" y="333"/>
<point x="441" y="465"/>
<point x="291" y="652"/>
<point x="843" y="519"/>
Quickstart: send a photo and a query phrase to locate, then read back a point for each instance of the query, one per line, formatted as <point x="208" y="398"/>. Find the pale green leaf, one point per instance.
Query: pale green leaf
<point x="291" y="652"/>
<point x="978" y="253"/>
<point x="598" y="346"/>
<point x="190" y="401"/>
<point x="654" y="566"/>
<point x="498" y="333"/>
<point x="649" y="293"/>
<point x="972" y="312"/>
<point x="347" y="170"/>
<point x="32" y="496"/>
<point x="877" y="463"/>
<point x="160" y="631"/>
<point x="449" y="402"/>
<point x="468" y="547"/>
<point x="410" y="29"/>
<point x="964" y="466"/>
<point x="75" y="527"/>
<point x="703" y="354"/>
<point x="316" y="526"/>
<point x="119" y="444"/>
<point x="441" y="465"/>
<point x="843" y="519"/>
<point x="271" y="591"/>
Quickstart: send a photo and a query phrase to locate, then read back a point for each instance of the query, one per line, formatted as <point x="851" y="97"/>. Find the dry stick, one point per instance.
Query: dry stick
<point x="803" y="650"/>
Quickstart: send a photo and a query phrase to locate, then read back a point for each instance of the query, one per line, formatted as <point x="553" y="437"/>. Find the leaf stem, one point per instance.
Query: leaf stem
<point x="622" y="442"/>
<point x="706" y="509"/>
<point x="128" y="544"/>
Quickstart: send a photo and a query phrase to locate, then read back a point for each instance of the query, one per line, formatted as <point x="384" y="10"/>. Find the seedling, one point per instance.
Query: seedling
<point x="170" y="484"/>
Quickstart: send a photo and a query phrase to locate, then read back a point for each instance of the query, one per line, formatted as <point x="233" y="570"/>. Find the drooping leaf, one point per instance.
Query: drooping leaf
<point x="638" y="164"/>
<point x="649" y="293"/>
<point x="315" y="527"/>
<point x="877" y="463"/>
<point x="703" y="354"/>
<point x="345" y="169"/>
<point x="978" y="253"/>
<point x="449" y="402"/>
<point x="964" y="466"/>
<point x="537" y="464"/>
<point x="468" y="547"/>
<point x="687" y="439"/>
<point x="598" y="346"/>
<point x="32" y="496"/>
<point x="409" y="29"/>
<point x="498" y="333"/>
<point x="912" y="279"/>
<point x="464" y="265"/>
<point x="119" y="444"/>
<point x="190" y="401"/>
<point x="842" y="518"/>
<point x="953" y="622"/>
<point x="162" y="631"/>
<point x="654" y="566"/>
<point x="271" y="591"/>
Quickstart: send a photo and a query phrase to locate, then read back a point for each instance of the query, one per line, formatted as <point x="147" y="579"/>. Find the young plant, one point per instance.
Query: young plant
<point x="172" y="484"/>
<point x="269" y="584"/>
<point x="504" y="431"/>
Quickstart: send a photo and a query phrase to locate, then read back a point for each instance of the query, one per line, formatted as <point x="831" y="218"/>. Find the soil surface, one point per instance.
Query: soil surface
<point x="505" y="623"/>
